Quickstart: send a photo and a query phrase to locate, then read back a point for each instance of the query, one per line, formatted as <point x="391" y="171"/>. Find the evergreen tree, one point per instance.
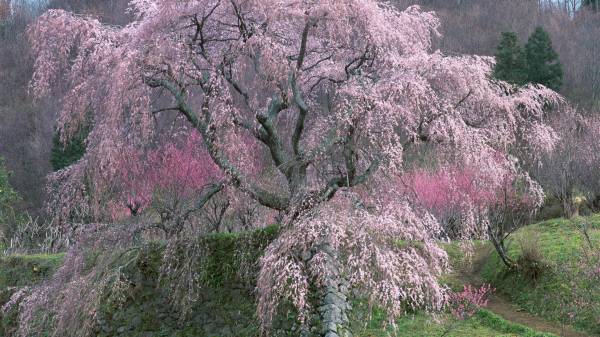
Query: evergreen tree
<point x="591" y="4"/>
<point x="511" y="65"/>
<point x="543" y="66"/>
<point x="64" y="155"/>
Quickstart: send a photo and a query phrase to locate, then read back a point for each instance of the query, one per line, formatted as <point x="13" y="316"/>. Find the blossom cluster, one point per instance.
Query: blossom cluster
<point x="465" y="304"/>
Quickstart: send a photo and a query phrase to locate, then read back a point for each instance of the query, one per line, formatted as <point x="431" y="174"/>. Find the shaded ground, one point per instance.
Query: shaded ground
<point x="503" y="307"/>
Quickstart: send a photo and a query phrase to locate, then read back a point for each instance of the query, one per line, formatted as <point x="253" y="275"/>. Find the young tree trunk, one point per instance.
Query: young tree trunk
<point x="501" y="250"/>
<point x="497" y="239"/>
<point x="569" y="209"/>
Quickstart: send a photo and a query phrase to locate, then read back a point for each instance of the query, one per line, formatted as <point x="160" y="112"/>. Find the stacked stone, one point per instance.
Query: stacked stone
<point x="334" y="304"/>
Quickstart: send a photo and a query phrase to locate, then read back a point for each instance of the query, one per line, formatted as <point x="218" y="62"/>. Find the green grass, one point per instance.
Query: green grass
<point x="553" y="295"/>
<point x="484" y="324"/>
<point x="458" y="261"/>
<point x="24" y="270"/>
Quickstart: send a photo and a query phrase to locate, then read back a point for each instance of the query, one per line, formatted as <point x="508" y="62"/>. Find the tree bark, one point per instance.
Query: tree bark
<point x="497" y="239"/>
<point x="501" y="250"/>
<point x="569" y="209"/>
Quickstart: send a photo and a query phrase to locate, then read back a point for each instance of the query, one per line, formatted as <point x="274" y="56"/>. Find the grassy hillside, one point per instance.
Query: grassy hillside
<point x="24" y="270"/>
<point x="568" y="288"/>
<point x="226" y="306"/>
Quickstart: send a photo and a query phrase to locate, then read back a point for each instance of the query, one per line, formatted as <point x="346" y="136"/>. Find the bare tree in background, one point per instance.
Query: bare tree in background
<point x="4" y="9"/>
<point x="214" y="213"/>
<point x="580" y="49"/>
<point x="571" y="169"/>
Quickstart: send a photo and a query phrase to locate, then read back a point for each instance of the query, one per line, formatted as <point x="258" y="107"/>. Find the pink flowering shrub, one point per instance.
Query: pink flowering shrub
<point x="173" y="180"/>
<point x="462" y="196"/>
<point x="169" y="174"/>
<point x="450" y="189"/>
<point x="465" y="304"/>
<point x="571" y="168"/>
<point x="70" y="201"/>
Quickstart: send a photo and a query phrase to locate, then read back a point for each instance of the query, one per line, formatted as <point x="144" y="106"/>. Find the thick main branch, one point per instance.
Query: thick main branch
<point x="261" y="195"/>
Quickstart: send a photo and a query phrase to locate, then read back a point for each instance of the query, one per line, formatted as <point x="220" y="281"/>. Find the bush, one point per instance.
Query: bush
<point x="531" y="263"/>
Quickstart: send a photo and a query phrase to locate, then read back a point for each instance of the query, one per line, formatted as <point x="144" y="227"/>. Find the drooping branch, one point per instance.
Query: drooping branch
<point x="199" y="34"/>
<point x="349" y="156"/>
<point x="462" y="100"/>
<point x="245" y="31"/>
<point x="351" y="68"/>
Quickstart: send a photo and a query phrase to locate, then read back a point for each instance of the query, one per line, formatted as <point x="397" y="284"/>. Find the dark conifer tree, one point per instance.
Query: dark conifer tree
<point x="543" y="66"/>
<point x="511" y="64"/>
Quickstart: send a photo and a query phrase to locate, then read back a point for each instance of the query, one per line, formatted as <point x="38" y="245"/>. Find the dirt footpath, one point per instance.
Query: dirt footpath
<point x="503" y="307"/>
